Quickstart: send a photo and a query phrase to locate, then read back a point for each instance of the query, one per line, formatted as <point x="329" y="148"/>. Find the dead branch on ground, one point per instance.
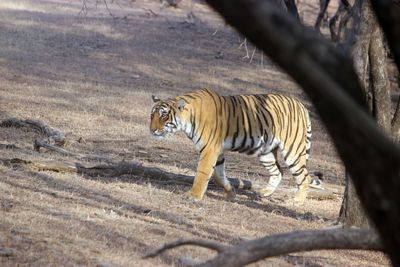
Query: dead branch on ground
<point x="41" y="144"/>
<point x="183" y="242"/>
<point x="52" y="135"/>
<point x="280" y="244"/>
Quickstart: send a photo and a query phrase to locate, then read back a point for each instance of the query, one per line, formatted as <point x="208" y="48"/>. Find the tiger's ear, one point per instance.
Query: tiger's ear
<point x="180" y="104"/>
<point x="155" y="99"/>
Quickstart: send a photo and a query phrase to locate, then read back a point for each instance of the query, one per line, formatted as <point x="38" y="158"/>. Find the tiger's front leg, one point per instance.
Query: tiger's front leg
<point x="205" y="168"/>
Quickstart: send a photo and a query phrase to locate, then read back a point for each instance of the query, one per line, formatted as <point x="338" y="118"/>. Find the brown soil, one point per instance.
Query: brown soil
<point x="91" y="75"/>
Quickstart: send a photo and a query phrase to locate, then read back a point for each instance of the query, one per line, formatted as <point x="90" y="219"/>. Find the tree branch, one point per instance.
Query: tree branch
<point x="323" y="6"/>
<point x="280" y="244"/>
<point x="182" y="242"/>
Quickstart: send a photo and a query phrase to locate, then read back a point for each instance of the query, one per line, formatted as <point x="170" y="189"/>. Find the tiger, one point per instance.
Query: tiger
<point x="256" y="124"/>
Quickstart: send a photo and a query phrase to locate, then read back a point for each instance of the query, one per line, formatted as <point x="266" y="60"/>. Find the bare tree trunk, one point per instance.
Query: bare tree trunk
<point x="388" y="15"/>
<point x="370" y="62"/>
<point x="396" y="123"/>
<point x="352" y="212"/>
<point x="379" y="77"/>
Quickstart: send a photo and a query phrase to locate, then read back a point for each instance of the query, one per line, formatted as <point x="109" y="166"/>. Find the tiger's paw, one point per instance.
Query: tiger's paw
<point x="299" y="200"/>
<point x="230" y="195"/>
<point x="194" y="197"/>
<point x="266" y="191"/>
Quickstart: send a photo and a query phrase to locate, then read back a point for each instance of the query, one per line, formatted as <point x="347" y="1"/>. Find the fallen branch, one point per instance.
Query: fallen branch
<point x="43" y="144"/>
<point x="52" y="135"/>
<point x="280" y="244"/>
<point x="182" y="242"/>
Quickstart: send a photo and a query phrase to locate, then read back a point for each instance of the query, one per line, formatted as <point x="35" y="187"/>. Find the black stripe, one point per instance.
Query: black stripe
<point x="189" y="96"/>
<point x="227" y="104"/>
<point x="299" y="171"/>
<point x="254" y="150"/>
<point x="201" y="135"/>
<point x="219" y="162"/>
<point x="294" y="163"/>
<point x="235" y="135"/>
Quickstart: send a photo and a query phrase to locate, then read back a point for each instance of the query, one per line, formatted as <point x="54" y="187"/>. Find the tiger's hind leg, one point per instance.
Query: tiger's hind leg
<point x="269" y="161"/>
<point x="299" y="171"/>
<point x="221" y="180"/>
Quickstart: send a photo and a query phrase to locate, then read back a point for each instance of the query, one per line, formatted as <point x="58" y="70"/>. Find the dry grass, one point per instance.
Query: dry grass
<point x="92" y="77"/>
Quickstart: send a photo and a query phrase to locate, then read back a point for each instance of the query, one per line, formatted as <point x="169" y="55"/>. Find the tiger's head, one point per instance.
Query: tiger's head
<point x="165" y="116"/>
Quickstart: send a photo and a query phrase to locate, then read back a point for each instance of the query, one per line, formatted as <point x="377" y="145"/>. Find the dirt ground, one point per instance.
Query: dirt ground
<point x="90" y="73"/>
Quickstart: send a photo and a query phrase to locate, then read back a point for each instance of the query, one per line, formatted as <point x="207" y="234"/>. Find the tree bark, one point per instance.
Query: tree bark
<point x="352" y="212"/>
<point x="323" y="6"/>
<point x="396" y="123"/>
<point x="379" y="77"/>
<point x="388" y="15"/>
<point x="370" y="62"/>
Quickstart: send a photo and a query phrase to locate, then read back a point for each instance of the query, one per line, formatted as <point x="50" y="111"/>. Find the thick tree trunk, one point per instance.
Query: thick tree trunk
<point x="370" y="62"/>
<point x="352" y="212"/>
<point x="380" y="79"/>
<point x="388" y="14"/>
<point x="396" y="123"/>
